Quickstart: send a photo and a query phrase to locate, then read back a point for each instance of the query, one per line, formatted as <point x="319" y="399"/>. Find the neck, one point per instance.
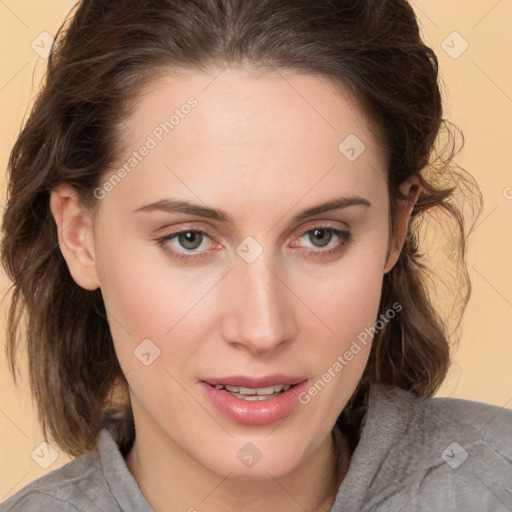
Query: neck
<point x="191" y="485"/>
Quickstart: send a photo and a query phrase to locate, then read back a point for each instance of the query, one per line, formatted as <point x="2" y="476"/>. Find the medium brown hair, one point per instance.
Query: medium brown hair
<point x="104" y="54"/>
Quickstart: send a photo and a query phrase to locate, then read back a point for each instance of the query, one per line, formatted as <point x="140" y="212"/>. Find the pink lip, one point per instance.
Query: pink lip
<point x="254" y="382"/>
<point x="259" y="412"/>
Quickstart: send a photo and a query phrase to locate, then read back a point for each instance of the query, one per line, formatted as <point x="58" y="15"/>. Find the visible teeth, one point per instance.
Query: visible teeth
<point x="255" y="391"/>
<point x="254" y="397"/>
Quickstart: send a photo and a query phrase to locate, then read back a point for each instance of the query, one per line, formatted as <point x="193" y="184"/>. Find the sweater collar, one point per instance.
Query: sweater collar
<point x="389" y="412"/>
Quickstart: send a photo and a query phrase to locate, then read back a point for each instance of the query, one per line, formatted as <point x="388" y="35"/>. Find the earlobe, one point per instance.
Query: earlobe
<point x="410" y="188"/>
<point x="75" y="232"/>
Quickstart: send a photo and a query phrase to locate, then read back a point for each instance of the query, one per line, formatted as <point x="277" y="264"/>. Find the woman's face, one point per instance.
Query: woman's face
<point x="254" y="292"/>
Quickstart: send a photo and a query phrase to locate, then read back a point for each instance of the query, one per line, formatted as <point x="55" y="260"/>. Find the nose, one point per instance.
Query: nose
<point x="259" y="314"/>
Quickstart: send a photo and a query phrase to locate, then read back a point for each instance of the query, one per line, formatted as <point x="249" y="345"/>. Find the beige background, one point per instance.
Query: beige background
<point x="478" y="85"/>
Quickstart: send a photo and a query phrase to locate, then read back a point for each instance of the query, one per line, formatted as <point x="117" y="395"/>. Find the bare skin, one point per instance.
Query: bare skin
<point x="261" y="152"/>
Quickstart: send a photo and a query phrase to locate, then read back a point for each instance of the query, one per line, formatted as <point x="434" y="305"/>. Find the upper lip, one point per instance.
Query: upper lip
<point x="254" y="382"/>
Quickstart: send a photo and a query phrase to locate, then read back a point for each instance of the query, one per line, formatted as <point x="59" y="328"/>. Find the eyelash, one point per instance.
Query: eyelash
<point x="343" y="235"/>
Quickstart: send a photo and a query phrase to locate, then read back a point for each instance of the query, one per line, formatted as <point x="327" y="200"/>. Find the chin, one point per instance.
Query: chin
<point x="257" y="459"/>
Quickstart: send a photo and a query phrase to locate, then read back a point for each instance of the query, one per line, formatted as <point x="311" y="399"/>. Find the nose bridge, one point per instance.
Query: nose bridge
<point x="260" y="314"/>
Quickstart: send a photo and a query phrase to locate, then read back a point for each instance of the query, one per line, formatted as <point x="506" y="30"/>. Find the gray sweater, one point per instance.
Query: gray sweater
<point x="414" y="454"/>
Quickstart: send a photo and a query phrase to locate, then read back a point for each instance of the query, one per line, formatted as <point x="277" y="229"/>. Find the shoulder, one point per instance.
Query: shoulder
<point x="489" y="425"/>
<point x="458" y="453"/>
<point x="77" y="486"/>
<point x="472" y="422"/>
<point x="467" y="451"/>
<point x="455" y="428"/>
<point x="421" y="454"/>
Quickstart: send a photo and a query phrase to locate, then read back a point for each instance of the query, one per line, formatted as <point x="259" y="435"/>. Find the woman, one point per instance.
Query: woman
<point x="214" y="222"/>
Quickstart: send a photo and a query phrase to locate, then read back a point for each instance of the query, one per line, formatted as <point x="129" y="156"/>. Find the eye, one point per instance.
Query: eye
<point x="179" y="243"/>
<point x="190" y="240"/>
<point x="321" y="237"/>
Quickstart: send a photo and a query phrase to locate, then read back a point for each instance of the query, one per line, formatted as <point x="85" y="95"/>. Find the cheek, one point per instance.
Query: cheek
<point x="347" y="297"/>
<point x="132" y="293"/>
<point x="148" y="299"/>
<point x="347" y="302"/>
<point x="350" y="312"/>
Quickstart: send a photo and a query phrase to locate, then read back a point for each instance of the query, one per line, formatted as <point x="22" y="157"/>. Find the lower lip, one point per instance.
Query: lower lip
<point x="259" y="412"/>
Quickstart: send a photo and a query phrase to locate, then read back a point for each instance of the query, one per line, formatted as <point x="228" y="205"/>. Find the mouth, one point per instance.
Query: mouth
<point x="254" y="400"/>
<point x="255" y="404"/>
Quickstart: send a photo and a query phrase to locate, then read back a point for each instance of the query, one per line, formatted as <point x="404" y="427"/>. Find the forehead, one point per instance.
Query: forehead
<point x="260" y="131"/>
<point x="240" y="105"/>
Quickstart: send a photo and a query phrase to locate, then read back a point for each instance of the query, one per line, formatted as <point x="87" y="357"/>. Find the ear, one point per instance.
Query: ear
<point x="74" y="226"/>
<point x="411" y="188"/>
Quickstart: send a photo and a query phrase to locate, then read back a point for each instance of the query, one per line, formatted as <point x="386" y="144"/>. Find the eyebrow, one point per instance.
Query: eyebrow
<point x="177" y="206"/>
